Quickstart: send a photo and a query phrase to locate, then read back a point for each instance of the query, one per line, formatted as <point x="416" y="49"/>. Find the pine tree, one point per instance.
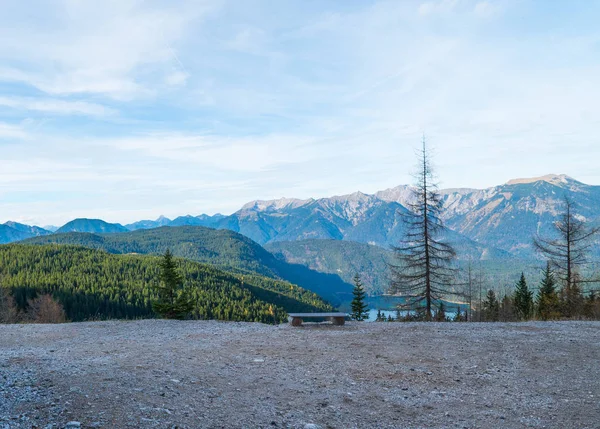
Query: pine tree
<point x="458" y="317"/>
<point x="360" y="310"/>
<point x="424" y="272"/>
<point x="380" y="316"/>
<point x="571" y="298"/>
<point x="547" y="297"/>
<point x="523" y="300"/>
<point x="491" y="307"/>
<point x="592" y="306"/>
<point x="507" y="309"/>
<point x="173" y="302"/>
<point x="440" y="315"/>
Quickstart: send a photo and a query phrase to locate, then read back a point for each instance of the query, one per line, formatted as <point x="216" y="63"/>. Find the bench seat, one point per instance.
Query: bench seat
<point x="296" y="319"/>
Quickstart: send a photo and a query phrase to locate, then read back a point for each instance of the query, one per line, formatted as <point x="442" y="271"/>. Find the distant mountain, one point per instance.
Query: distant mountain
<point x="202" y="220"/>
<point x="221" y="248"/>
<point x="507" y="216"/>
<point x="340" y="257"/>
<point x="8" y="234"/>
<point x="13" y="231"/>
<point x="31" y="231"/>
<point x="91" y="225"/>
<point x="356" y="217"/>
<point x="148" y="224"/>
<point x="347" y="258"/>
<point x="484" y="224"/>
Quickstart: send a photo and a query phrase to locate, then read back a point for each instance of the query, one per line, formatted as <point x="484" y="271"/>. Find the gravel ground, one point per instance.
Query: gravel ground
<point x="166" y="374"/>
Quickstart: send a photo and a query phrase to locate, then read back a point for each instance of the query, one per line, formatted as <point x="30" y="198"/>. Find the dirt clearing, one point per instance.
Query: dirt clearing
<point x="206" y="374"/>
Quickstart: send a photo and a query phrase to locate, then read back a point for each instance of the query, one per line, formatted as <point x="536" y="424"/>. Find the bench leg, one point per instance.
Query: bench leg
<point x="296" y="321"/>
<point x="339" y="321"/>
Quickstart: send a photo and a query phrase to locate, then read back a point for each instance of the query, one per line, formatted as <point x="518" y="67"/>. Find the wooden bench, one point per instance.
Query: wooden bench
<point x="336" y="318"/>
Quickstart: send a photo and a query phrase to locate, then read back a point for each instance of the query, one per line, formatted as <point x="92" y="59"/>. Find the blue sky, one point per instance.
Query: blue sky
<point x="126" y="110"/>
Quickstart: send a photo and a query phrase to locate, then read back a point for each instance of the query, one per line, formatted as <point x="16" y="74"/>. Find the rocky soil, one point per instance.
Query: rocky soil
<point x="166" y="374"/>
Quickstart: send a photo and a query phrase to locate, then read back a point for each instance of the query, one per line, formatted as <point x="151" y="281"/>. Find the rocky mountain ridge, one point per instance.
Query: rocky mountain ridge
<point x="484" y="223"/>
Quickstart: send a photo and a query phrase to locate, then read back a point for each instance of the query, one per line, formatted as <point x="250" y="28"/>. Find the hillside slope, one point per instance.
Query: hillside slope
<point x="223" y="248"/>
<point x="346" y="258"/>
<point x="8" y="234"/>
<point x="93" y="284"/>
<point x="91" y="225"/>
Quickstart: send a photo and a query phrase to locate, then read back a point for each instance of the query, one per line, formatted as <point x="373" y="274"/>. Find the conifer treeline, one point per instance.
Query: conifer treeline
<point x="92" y="284"/>
<point x="549" y="303"/>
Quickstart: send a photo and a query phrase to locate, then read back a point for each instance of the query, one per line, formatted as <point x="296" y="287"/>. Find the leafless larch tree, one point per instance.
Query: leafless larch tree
<point x="423" y="273"/>
<point x="568" y="251"/>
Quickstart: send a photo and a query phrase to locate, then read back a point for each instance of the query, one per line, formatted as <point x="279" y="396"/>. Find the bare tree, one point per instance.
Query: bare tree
<point x="44" y="309"/>
<point x="568" y="252"/>
<point x="8" y="310"/>
<point x="424" y="270"/>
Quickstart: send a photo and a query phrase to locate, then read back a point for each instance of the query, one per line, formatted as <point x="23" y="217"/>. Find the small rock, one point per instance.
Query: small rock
<point x="73" y="425"/>
<point x="311" y="426"/>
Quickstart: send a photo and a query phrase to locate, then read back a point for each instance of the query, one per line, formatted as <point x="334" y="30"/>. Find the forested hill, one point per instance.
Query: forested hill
<point x="223" y="248"/>
<point x="346" y="258"/>
<point x="93" y="284"/>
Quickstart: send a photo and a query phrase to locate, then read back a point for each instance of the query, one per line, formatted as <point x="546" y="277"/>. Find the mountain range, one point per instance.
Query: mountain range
<point x="320" y="243"/>
<point x="492" y="223"/>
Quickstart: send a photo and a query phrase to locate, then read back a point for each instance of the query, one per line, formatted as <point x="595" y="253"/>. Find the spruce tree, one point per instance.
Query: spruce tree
<point x="458" y="317"/>
<point x="491" y="307"/>
<point x="523" y="300"/>
<point x="440" y="315"/>
<point x="360" y="310"/>
<point x="173" y="302"/>
<point x="507" y="309"/>
<point x="547" y="297"/>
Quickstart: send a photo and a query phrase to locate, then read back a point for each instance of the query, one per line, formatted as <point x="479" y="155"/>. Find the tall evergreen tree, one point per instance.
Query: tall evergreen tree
<point x="547" y="297"/>
<point x="523" y="300"/>
<point x="424" y="271"/>
<point x="507" y="309"/>
<point x="592" y="306"/>
<point x="173" y="302"/>
<point x="360" y="309"/>
<point x="491" y="307"/>
<point x="440" y="315"/>
<point x="458" y="317"/>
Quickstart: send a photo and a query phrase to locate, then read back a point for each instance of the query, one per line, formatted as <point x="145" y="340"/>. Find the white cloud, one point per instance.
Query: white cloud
<point x="92" y="47"/>
<point x="61" y="107"/>
<point x="486" y="9"/>
<point x="281" y="99"/>
<point x="244" y="154"/>
<point x="177" y="78"/>
<point x="10" y="131"/>
<point x="439" y="6"/>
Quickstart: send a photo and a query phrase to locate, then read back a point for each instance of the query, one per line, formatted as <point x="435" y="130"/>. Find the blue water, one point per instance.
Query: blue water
<point x="373" y="314"/>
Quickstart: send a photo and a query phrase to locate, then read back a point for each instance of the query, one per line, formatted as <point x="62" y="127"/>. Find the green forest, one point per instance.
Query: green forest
<point x="224" y="249"/>
<point x="94" y="285"/>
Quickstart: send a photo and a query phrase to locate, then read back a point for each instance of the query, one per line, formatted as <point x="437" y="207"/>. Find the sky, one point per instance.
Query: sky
<point x="128" y="109"/>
